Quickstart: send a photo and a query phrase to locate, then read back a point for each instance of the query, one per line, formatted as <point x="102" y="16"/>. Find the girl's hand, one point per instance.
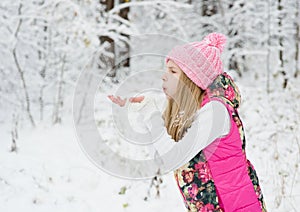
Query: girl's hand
<point x="117" y="100"/>
<point x="136" y="99"/>
<point x="121" y="102"/>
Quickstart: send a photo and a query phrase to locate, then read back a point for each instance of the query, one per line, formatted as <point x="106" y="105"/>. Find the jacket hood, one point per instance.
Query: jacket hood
<point x="224" y="87"/>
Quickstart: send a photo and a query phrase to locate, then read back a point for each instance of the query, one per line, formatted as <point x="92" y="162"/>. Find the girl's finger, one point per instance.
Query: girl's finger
<point x="117" y="100"/>
<point x="120" y="101"/>
<point x="113" y="99"/>
<point x="123" y="102"/>
<point x="137" y="99"/>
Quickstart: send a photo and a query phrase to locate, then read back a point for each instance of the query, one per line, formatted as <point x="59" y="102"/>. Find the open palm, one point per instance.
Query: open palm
<point x="121" y="102"/>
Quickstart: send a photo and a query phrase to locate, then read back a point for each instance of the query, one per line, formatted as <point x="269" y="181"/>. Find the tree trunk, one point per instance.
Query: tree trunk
<point x="209" y="8"/>
<point x="126" y="53"/>
<point x="269" y="45"/>
<point x="236" y="62"/>
<point x="21" y="73"/>
<point x="14" y="132"/>
<point x="109" y="4"/>
<point x="43" y="74"/>
<point x="59" y="101"/>
<point x="297" y="43"/>
<point x="281" y="67"/>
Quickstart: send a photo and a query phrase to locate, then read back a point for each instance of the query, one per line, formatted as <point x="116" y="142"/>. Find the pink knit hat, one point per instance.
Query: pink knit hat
<point x="200" y="61"/>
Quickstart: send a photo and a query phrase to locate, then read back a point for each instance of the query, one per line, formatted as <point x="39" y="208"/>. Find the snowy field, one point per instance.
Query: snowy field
<point x="50" y="172"/>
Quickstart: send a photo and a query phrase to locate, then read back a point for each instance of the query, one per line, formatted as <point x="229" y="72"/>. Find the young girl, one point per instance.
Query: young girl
<point x="203" y="101"/>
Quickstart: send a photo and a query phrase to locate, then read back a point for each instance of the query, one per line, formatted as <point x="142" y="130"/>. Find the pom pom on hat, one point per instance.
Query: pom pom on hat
<point x="216" y="40"/>
<point x="200" y="60"/>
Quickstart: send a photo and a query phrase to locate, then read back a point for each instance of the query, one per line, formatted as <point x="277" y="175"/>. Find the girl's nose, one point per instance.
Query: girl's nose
<point x="163" y="77"/>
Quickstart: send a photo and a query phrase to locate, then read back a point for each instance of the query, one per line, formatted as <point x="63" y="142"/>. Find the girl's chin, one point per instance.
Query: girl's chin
<point x="168" y="97"/>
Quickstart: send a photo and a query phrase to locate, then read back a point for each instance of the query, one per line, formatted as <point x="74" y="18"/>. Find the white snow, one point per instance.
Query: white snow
<point x="50" y="172"/>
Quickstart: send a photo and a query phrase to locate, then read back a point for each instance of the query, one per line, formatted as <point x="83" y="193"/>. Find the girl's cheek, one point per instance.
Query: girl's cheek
<point x="175" y="85"/>
<point x="173" y="90"/>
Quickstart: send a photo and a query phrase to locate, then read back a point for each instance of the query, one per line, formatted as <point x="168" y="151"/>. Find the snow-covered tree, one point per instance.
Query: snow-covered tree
<point x="45" y="45"/>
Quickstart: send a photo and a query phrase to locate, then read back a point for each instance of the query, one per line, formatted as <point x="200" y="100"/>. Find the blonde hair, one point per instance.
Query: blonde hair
<point x="180" y="110"/>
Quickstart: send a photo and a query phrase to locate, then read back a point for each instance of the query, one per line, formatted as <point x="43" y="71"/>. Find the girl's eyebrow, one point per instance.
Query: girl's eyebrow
<point x="171" y="67"/>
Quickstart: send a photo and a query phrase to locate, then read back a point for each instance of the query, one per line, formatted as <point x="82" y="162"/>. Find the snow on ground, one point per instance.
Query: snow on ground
<point x="50" y="172"/>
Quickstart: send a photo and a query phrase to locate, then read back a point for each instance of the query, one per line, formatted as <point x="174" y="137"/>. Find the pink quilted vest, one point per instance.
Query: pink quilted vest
<point x="228" y="166"/>
<point x="220" y="177"/>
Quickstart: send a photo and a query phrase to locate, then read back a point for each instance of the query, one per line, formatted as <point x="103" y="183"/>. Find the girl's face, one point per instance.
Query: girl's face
<point x="170" y="79"/>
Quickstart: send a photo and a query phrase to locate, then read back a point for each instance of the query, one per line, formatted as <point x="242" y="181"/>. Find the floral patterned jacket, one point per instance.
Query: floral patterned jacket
<point x="220" y="177"/>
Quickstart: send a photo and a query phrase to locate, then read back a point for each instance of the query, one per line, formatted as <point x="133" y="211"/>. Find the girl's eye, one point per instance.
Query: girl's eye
<point x="173" y="71"/>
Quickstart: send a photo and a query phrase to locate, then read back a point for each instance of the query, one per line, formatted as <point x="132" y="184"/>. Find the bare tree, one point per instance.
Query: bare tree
<point x="297" y="43"/>
<point x="14" y="132"/>
<point x="20" y="71"/>
<point x="280" y="41"/>
<point x="108" y="60"/>
<point x="59" y="102"/>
